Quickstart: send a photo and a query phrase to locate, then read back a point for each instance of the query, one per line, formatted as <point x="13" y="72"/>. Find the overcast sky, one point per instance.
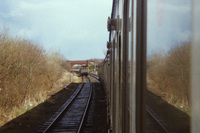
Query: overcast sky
<point x="169" y="24"/>
<point x="67" y="26"/>
<point x="73" y="26"/>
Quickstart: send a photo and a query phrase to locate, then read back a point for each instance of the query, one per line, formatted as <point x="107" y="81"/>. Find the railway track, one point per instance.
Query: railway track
<point x="154" y="124"/>
<point x="94" y="76"/>
<point x="71" y="116"/>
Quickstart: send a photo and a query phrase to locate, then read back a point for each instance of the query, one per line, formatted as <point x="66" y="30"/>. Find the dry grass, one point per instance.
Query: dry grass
<point x="169" y="75"/>
<point x="27" y="73"/>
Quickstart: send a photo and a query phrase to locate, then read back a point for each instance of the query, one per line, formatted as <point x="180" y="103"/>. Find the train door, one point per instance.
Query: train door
<point x="111" y="86"/>
<point x="131" y="75"/>
<point x="116" y="90"/>
<point x="135" y="57"/>
<point x="114" y="85"/>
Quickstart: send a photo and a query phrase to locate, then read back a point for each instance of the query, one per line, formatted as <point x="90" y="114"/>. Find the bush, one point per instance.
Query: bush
<point x="170" y="74"/>
<point x="27" y="73"/>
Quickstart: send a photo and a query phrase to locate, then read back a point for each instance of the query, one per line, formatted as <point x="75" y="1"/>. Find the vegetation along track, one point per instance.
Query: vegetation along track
<point x="154" y="124"/>
<point x="70" y="117"/>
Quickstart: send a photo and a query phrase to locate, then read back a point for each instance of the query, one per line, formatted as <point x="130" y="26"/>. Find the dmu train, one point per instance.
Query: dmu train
<point x="133" y="27"/>
<point x="84" y="70"/>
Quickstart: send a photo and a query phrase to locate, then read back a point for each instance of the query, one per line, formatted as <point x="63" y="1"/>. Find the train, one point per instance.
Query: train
<point x="84" y="70"/>
<point x="124" y="69"/>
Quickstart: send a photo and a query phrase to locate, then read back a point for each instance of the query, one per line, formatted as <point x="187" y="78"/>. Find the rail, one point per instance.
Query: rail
<point x="94" y="76"/>
<point x="83" y="92"/>
<point x="60" y="112"/>
<point x="87" y="107"/>
<point x="149" y="111"/>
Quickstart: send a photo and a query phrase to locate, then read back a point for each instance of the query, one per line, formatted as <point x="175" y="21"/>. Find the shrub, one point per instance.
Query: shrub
<point x="170" y="74"/>
<point x="27" y="73"/>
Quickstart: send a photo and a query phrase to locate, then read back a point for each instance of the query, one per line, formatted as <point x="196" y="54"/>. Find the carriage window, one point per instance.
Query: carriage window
<point x="168" y="63"/>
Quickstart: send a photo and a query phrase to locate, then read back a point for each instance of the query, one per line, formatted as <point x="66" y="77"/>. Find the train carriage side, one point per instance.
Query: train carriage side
<point x="122" y="75"/>
<point x="124" y="68"/>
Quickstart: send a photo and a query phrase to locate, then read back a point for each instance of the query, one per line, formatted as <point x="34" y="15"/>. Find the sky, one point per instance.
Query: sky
<point x="78" y="28"/>
<point x="169" y="24"/>
<point x="75" y="28"/>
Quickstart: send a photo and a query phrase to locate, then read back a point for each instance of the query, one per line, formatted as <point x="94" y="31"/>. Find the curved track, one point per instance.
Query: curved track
<point x="94" y="76"/>
<point x="70" y="117"/>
